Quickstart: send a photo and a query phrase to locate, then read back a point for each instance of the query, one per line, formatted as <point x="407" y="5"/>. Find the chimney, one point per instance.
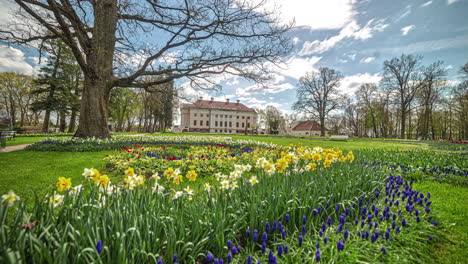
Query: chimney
<point x="201" y="98"/>
<point x="227" y="101"/>
<point x="212" y="99"/>
<point x="238" y="101"/>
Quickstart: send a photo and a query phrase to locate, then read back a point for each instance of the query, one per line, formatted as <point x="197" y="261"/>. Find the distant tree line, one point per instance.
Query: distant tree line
<point x="411" y="101"/>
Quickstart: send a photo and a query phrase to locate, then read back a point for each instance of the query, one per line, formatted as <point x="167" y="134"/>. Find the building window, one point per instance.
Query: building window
<point x="201" y="122"/>
<point x="208" y="123"/>
<point x="229" y="131"/>
<point x="248" y="117"/>
<point x="230" y="124"/>
<point x="243" y="117"/>
<point x="237" y="124"/>
<point x="216" y="123"/>
<point x="237" y="117"/>
<point x="194" y="122"/>
<point x="225" y="123"/>
<point x="201" y="115"/>
<point x="225" y="116"/>
<point x="230" y="116"/>
<point x="242" y="124"/>
<point x="248" y="124"/>
<point x="216" y="115"/>
<point x="216" y="130"/>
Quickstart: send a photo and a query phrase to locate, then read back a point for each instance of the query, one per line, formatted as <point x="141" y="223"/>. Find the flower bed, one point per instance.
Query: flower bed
<point x="118" y="142"/>
<point x="271" y="204"/>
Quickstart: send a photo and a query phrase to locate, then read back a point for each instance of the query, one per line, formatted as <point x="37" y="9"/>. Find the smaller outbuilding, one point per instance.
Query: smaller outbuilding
<point x="307" y="128"/>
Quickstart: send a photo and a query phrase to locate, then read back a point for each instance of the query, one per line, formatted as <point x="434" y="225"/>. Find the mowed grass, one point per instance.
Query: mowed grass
<point x="451" y="206"/>
<point x="23" y="140"/>
<point x="23" y="171"/>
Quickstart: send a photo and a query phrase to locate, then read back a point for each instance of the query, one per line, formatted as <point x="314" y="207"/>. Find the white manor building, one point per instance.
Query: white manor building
<point x="209" y="116"/>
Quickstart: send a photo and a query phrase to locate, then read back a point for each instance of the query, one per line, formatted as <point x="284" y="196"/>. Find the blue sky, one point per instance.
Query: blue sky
<point x="356" y="37"/>
<point x="352" y="36"/>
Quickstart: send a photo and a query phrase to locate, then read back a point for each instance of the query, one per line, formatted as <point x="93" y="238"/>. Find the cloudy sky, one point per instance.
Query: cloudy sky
<point x="352" y="36"/>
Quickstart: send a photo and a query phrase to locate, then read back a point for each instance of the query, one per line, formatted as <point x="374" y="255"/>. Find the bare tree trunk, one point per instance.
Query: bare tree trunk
<point x="71" y="126"/>
<point x="45" y="125"/>
<point x="63" y="123"/>
<point x="98" y="80"/>
<point x="93" y="110"/>
<point x="322" y="126"/>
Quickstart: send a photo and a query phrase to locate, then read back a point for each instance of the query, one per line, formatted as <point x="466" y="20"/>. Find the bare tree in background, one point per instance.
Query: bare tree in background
<point x="112" y="42"/>
<point x="272" y="118"/>
<point x="403" y="77"/>
<point x="430" y="93"/>
<point x="317" y="94"/>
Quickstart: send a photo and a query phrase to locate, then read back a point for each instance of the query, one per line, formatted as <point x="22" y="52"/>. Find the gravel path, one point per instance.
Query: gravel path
<point x="13" y="148"/>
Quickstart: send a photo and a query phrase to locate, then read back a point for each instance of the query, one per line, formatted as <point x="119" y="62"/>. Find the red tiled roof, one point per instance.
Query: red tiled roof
<point x="219" y="105"/>
<point x="307" y="125"/>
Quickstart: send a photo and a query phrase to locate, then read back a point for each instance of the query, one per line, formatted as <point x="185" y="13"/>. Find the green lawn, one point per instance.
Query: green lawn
<point x="23" y="140"/>
<point x="451" y="206"/>
<point x="22" y="170"/>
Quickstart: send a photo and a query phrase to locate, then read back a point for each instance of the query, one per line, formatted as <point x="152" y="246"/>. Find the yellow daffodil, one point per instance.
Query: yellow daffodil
<point x="191" y="175"/>
<point x="311" y="166"/>
<point x="177" y="179"/>
<point x="129" y="172"/>
<point x="63" y="184"/>
<point x="102" y="181"/>
<point x="327" y="164"/>
<point x="96" y="175"/>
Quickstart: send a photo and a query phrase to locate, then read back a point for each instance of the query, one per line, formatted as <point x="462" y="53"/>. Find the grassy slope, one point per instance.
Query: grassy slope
<point x="20" y="170"/>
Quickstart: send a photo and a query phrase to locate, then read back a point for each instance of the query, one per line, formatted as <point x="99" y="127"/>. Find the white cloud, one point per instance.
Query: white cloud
<point x="298" y="66"/>
<point x="233" y="81"/>
<point x="406" y="13"/>
<point x="13" y="60"/>
<point x="427" y="3"/>
<point x="406" y="30"/>
<point x="367" y="60"/>
<point x="352" y="30"/>
<point x="316" y="14"/>
<point x="449" y="67"/>
<point x="459" y="41"/>
<point x="451" y="1"/>
<point x="263" y="89"/>
<point x="295" y="40"/>
<point x="349" y="84"/>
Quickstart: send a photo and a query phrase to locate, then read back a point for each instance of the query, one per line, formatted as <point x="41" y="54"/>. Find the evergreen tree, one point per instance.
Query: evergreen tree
<point x="55" y="85"/>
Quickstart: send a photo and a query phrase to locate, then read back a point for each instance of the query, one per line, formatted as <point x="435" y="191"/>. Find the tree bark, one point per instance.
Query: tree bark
<point x="45" y="125"/>
<point x="63" y="123"/>
<point x="99" y="75"/>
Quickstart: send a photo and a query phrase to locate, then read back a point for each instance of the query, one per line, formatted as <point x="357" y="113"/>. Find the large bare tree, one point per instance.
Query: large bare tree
<point x="431" y="91"/>
<point x="119" y="43"/>
<point x="402" y="75"/>
<point x="318" y="95"/>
